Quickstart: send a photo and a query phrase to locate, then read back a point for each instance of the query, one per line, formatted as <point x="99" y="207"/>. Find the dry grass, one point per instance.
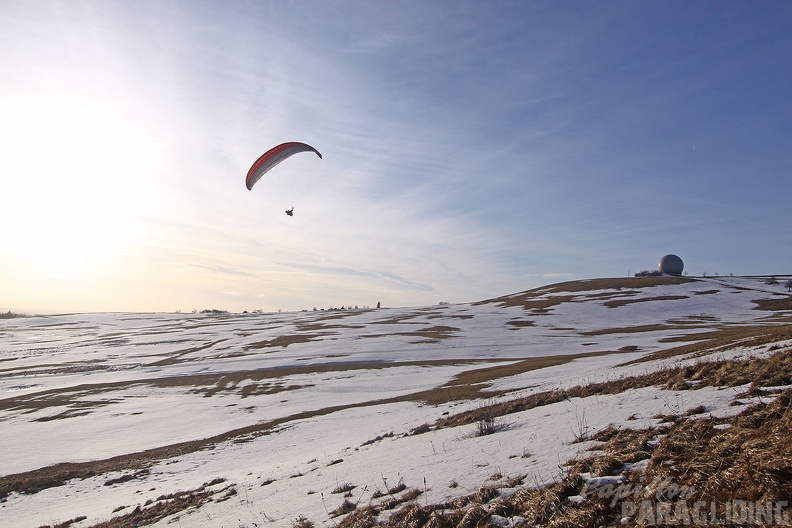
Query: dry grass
<point x="780" y="303"/>
<point x="751" y="460"/>
<point x="635" y="329"/>
<point x="431" y="334"/>
<point x="286" y="340"/>
<point x="722" y="339"/>
<point x="533" y="299"/>
<point x="164" y="506"/>
<point x="625" y="302"/>
<point x="473" y="384"/>
<point x="748" y="458"/>
<point x="774" y="370"/>
<point x="468" y="385"/>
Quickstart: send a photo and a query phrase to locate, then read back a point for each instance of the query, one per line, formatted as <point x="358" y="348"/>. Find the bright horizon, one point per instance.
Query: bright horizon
<point x="469" y="150"/>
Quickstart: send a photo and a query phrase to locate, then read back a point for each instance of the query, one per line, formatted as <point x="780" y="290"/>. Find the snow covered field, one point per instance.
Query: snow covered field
<point x="280" y="415"/>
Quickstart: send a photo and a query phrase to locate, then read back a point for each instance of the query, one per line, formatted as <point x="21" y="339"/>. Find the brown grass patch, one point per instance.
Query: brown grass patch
<point x="467" y="385"/>
<point x="473" y="384"/>
<point x="177" y="357"/>
<point x="749" y="461"/>
<point x="633" y="329"/>
<point x="520" y="323"/>
<point x="775" y="370"/>
<point x="431" y="334"/>
<point x="398" y="319"/>
<point x="286" y="340"/>
<point x="616" y="283"/>
<point x="250" y="382"/>
<point x="535" y="301"/>
<point x="529" y="303"/>
<point x="66" y="524"/>
<point x="166" y="506"/>
<point x="752" y="460"/>
<point x="721" y="339"/>
<point x="774" y="305"/>
<point x="625" y="302"/>
<point x="58" y="474"/>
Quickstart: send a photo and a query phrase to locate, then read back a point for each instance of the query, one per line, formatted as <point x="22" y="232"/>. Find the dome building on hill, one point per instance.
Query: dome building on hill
<point x="671" y="265"/>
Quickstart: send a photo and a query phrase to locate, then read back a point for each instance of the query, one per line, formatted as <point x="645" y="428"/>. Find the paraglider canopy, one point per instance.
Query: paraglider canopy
<point x="274" y="156"/>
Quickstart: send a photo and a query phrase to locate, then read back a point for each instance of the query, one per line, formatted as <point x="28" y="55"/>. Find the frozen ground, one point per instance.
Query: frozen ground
<point x="280" y="411"/>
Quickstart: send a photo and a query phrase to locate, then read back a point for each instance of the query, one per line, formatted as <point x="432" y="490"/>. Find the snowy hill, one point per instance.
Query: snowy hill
<point x="299" y="418"/>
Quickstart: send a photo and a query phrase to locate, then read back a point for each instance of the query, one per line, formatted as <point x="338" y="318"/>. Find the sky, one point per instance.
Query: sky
<point x="470" y="149"/>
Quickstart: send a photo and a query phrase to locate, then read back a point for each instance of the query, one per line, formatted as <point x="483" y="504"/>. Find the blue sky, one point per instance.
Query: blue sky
<point x="470" y="149"/>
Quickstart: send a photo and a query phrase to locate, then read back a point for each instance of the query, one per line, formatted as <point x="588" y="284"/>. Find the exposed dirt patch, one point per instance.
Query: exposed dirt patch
<point x="52" y="368"/>
<point x="520" y="323"/>
<point x="530" y="302"/>
<point x="242" y="385"/>
<point x="177" y="357"/>
<point x="775" y="305"/>
<point x="625" y="302"/>
<point x="318" y="326"/>
<point x="398" y="319"/>
<point x="286" y="340"/>
<point x="431" y="334"/>
<point x="633" y="329"/>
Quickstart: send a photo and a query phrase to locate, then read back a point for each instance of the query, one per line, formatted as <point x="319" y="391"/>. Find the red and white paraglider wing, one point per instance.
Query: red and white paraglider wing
<point x="274" y="156"/>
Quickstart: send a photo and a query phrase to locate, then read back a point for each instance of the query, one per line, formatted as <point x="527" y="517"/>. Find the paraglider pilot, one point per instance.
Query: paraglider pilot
<point x="290" y="212"/>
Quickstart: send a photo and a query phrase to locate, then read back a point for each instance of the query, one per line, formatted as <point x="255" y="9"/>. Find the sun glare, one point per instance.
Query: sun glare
<point x="72" y="181"/>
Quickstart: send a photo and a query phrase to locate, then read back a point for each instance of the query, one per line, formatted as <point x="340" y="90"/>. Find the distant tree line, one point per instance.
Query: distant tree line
<point x="772" y="281"/>
<point x="648" y="273"/>
<point x="11" y="315"/>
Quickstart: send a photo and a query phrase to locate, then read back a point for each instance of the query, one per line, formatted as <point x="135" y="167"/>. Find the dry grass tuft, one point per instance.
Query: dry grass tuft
<point x="302" y="522"/>
<point x="165" y="506"/>
<point x="66" y="524"/>
<point x="344" y="488"/>
<point x="362" y="518"/>
<point x="346" y="507"/>
<point x="751" y="460"/>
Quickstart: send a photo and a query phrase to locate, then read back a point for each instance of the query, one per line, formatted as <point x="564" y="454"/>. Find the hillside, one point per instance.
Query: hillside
<point x="537" y="408"/>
